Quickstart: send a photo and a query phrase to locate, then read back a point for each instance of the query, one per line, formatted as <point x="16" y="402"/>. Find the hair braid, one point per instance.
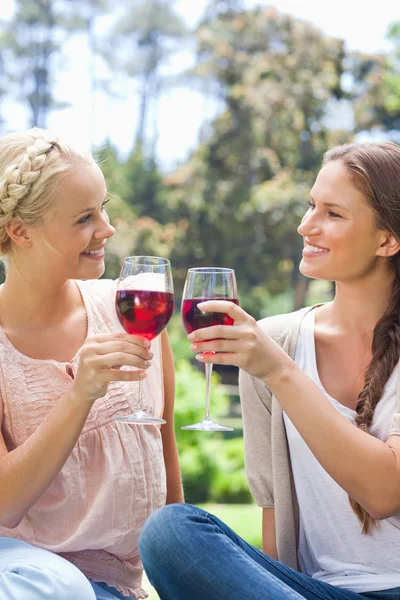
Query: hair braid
<point x="19" y="177"/>
<point x="375" y="171"/>
<point x="385" y="356"/>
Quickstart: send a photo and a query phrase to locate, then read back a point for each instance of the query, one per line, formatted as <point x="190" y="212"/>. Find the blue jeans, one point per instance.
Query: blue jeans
<point x="188" y="553"/>
<point x="31" y="573"/>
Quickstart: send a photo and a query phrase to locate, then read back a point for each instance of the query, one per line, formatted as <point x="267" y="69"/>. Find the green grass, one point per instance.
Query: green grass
<point x="245" y="519"/>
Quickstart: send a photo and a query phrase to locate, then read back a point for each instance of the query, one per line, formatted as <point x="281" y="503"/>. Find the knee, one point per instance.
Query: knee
<point x="48" y="578"/>
<point x="168" y="529"/>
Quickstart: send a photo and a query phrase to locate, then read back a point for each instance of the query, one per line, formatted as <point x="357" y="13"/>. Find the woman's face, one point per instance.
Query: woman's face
<point x="70" y="242"/>
<point x="341" y="241"/>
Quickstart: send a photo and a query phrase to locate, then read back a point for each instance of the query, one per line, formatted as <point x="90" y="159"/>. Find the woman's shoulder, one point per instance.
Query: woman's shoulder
<point x="278" y="326"/>
<point x="99" y="298"/>
<point x="96" y="286"/>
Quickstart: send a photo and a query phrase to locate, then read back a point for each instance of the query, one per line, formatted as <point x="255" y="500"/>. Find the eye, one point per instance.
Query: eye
<point x="84" y="219"/>
<point x="87" y="217"/>
<point x="334" y="215"/>
<point x="311" y="204"/>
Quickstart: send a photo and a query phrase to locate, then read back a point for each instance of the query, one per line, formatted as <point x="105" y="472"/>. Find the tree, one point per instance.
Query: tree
<point x="141" y="44"/>
<point x="36" y="35"/>
<point x="4" y="81"/>
<point x="88" y="13"/>
<point x="376" y="86"/>
<point x="242" y="193"/>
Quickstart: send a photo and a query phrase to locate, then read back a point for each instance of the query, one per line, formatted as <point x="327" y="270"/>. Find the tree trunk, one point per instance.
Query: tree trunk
<point x="300" y="292"/>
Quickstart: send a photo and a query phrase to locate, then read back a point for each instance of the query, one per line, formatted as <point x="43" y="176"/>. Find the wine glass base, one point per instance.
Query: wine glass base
<point x="207" y="425"/>
<point x="140" y="417"/>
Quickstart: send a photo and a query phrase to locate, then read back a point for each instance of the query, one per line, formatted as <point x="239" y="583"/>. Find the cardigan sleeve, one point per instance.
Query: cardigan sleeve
<point x="256" y="414"/>
<point x="395" y="425"/>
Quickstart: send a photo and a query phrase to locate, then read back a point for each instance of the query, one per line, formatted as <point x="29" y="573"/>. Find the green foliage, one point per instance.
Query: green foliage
<point x="145" y="189"/>
<point x="244" y="191"/>
<point x="229" y="482"/>
<point x="212" y="467"/>
<point x="179" y="342"/>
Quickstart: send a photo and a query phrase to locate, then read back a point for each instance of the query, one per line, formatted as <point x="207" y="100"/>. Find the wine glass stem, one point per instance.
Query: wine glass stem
<point x="140" y="394"/>
<point x="208" y="369"/>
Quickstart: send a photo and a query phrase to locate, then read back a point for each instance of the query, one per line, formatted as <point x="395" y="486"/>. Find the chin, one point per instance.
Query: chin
<point x="313" y="272"/>
<point x="94" y="273"/>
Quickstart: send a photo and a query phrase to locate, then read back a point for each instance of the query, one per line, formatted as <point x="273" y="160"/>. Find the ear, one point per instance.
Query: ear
<point x="19" y="233"/>
<point x="389" y="246"/>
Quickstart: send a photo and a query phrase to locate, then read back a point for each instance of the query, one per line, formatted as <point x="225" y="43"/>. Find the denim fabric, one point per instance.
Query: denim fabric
<point x="105" y="592"/>
<point x="190" y="554"/>
<point x="30" y="573"/>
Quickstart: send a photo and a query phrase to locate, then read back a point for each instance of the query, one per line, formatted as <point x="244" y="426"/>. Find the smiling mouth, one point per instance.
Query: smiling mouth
<point x="94" y="252"/>
<point x="315" y="249"/>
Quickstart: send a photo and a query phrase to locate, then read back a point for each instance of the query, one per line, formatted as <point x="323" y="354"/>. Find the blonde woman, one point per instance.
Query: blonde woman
<point x="321" y="413"/>
<point x="76" y="486"/>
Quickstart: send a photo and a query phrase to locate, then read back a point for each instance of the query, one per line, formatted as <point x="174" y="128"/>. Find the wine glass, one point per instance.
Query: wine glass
<point x="144" y="304"/>
<point x="207" y="283"/>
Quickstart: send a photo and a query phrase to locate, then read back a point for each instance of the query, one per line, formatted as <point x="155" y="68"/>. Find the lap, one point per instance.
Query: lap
<point x="32" y="573"/>
<point x="213" y="561"/>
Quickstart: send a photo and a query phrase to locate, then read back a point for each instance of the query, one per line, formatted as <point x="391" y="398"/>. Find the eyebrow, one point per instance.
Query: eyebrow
<point x="85" y="210"/>
<point x="333" y="204"/>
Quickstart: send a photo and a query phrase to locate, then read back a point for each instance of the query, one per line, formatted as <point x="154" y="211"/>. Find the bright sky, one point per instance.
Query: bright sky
<point x="181" y="111"/>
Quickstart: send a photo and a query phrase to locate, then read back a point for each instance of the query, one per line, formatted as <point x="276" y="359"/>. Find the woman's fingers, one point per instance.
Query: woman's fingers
<point x="225" y="358"/>
<point x="230" y="332"/>
<point x="123" y="346"/>
<point x="122" y="375"/>
<point x="121" y="359"/>
<point x="216" y="345"/>
<point x="119" y="336"/>
<point x="224" y="306"/>
<point x="240" y="317"/>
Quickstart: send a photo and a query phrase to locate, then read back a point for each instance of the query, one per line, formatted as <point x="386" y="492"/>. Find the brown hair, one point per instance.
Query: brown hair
<point x="375" y="171"/>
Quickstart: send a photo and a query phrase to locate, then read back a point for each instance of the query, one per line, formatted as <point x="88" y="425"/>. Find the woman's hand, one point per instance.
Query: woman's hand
<point x="101" y="358"/>
<point x="242" y="344"/>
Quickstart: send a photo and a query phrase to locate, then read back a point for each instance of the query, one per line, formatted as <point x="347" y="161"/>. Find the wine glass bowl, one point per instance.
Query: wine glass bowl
<point x="193" y="318"/>
<point x="144" y="303"/>
<point x="144" y="312"/>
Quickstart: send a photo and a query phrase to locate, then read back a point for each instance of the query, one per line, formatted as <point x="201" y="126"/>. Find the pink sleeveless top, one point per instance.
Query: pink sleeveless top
<point x="114" y="478"/>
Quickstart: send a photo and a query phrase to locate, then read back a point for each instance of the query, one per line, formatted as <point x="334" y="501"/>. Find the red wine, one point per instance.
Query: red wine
<point x="193" y="318"/>
<point x="143" y="312"/>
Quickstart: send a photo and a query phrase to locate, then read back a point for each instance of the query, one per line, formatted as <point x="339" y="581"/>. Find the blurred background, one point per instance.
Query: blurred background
<point x="209" y="119"/>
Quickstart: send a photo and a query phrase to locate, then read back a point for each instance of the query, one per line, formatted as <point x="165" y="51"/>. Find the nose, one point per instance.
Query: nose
<point x="105" y="230"/>
<point x="309" y="225"/>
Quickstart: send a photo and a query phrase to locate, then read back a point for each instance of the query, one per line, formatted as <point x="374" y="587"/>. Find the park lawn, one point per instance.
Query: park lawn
<point x="245" y="519"/>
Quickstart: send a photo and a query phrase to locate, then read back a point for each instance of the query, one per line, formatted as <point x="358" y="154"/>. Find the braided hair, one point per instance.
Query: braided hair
<point x="29" y="164"/>
<point x="375" y="171"/>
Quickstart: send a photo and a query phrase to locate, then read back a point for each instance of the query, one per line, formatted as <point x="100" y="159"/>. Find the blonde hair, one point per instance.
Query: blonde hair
<point x="30" y="162"/>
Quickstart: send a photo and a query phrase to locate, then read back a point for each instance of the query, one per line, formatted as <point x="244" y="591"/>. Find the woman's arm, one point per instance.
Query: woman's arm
<point x="365" y="467"/>
<point x="174" y="480"/>
<point x="28" y="470"/>
<point x="269" y="533"/>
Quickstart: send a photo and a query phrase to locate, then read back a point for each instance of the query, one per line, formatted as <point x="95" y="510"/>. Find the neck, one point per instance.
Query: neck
<point x="358" y="306"/>
<point x="36" y="302"/>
